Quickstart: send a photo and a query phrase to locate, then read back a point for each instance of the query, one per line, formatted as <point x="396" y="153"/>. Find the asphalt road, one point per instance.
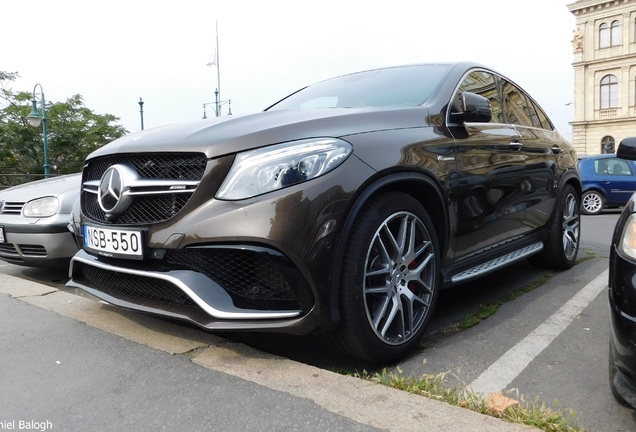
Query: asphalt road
<point x="549" y="344"/>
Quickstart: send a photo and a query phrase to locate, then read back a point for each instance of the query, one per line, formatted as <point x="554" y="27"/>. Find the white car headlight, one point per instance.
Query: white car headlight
<point x="266" y="169"/>
<point x="627" y="243"/>
<point x="41" y="207"/>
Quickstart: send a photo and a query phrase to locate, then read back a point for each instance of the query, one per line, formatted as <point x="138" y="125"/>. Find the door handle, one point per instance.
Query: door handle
<point x="515" y="145"/>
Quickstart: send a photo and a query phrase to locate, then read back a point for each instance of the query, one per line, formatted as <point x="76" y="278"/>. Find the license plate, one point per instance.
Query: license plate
<point x="113" y="242"/>
<point x="3" y="238"/>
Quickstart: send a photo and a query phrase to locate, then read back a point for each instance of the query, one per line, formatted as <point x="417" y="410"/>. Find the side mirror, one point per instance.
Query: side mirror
<point x="471" y="107"/>
<point x="627" y="149"/>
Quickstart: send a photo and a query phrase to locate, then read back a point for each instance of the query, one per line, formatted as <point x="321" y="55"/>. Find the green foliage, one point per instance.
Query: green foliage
<point x="74" y="131"/>
<point x="489" y="309"/>
<point x="535" y="413"/>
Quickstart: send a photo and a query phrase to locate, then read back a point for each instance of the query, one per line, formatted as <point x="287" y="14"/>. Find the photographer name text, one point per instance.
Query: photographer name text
<point x="26" y="425"/>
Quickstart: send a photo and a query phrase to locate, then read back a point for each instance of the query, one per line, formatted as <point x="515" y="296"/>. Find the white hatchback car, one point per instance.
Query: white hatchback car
<point x="34" y="220"/>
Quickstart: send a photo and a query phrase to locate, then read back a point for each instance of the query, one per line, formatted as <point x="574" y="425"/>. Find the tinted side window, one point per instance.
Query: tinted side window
<point x="484" y="84"/>
<point x="516" y="106"/>
<point x="545" y="122"/>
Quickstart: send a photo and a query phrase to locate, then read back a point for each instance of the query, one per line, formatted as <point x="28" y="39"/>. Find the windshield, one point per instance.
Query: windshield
<point x="392" y="87"/>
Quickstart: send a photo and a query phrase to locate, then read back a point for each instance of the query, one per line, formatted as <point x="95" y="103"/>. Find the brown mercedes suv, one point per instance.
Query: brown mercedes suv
<point x="340" y="210"/>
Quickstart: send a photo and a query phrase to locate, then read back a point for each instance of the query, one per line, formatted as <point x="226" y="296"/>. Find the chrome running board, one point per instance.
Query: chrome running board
<point x="497" y="263"/>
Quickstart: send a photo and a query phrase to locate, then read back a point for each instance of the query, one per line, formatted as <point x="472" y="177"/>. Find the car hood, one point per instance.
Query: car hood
<point x="54" y="186"/>
<point x="221" y="136"/>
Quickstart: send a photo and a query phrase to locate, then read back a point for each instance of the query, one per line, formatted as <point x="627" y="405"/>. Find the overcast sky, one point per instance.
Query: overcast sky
<point x="113" y="53"/>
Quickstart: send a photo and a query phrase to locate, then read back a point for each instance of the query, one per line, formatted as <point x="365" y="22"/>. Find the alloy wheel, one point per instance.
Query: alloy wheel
<point x="571" y="226"/>
<point x="399" y="278"/>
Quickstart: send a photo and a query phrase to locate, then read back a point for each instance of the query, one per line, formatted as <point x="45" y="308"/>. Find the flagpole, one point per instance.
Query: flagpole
<point x="218" y="74"/>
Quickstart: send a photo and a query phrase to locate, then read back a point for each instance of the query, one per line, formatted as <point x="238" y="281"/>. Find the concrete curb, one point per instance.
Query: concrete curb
<point x="359" y="400"/>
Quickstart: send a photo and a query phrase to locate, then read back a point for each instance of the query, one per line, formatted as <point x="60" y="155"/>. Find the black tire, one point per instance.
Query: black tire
<point x="390" y="280"/>
<point x="562" y="245"/>
<point x="592" y="202"/>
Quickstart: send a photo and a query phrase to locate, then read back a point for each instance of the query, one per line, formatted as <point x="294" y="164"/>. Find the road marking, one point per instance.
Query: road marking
<point x="502" y="372"/>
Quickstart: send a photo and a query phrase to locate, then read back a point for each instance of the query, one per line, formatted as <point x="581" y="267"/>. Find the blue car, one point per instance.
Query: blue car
<point x="607" y="182"/>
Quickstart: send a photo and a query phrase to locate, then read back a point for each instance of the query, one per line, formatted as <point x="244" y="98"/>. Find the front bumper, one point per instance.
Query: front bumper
<point x="38" y="245"/>
<point x="187" y="293"/>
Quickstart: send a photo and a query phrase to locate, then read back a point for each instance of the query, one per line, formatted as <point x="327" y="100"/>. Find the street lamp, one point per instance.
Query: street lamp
<point x="35" y="118"/>
<point x="141" y="112"/>
<point x="219" y="103"/>
<point x="217" y="107"/>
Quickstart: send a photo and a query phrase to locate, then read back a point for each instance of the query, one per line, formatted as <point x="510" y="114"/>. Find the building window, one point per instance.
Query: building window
<point x="609" y="92"/>
<point x="603" y="36"/>
<point x="609" y="35"/>
<point x="607" y="145"/>
<point x="615" y="35"/>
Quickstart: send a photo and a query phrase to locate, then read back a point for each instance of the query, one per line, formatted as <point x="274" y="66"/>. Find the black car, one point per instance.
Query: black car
<point x="622" y="296"/>
<point x="340" y="210"/>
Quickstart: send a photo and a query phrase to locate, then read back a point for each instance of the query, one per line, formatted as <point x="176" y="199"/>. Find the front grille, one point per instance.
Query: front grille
<point x="145" y="209"/>
<point x="148" y="208"/>
<point x="10" y="254"/>
<point x="12" y="207"/>
<point x="176" y="166"/>
<point x="252" y="279"/>
<point x="8" y="249"/>
<point x="33" y="250"/>
<point x="120" y="285"/>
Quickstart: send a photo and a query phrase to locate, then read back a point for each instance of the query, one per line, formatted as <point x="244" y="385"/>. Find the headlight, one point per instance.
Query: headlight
<point x="41" y="207"/>
<point x="627" y="243"/>
<point x="266" y="169"/>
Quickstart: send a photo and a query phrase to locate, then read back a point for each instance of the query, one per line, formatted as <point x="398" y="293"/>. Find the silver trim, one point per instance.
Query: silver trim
<point x="210" y="310"/>
<point x="497" y="263"/>
<point x="157" y="186"/>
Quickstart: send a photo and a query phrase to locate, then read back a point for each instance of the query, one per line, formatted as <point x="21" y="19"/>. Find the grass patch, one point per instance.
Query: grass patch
<point x="535" y="413"/>
<point x="488" y="309"/>
<point x="589" y="254"/>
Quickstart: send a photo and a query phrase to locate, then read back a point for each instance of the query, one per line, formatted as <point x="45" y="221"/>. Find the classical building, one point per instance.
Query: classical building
<point x="604" y="45"/>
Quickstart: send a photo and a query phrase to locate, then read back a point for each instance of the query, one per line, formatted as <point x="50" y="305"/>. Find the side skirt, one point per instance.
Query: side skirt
<point x="496" y="263"/>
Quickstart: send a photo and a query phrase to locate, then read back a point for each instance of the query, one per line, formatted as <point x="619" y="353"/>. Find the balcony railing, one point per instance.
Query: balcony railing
<point x="607" y="113"/>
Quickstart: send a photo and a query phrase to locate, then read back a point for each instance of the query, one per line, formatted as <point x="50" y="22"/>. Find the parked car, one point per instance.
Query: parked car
<point x="34" y="219"/>
<point x="608" y="181"/>
<point x="622" y="296"/>
<point x="341" y="210"/>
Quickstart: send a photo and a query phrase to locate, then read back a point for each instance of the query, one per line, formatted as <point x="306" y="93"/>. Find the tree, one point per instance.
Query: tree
<point x="74" y="131"/>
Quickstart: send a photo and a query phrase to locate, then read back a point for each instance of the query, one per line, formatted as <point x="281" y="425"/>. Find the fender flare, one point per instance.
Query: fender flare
<point x="571" y="176"/>
<point x="385" y="182"/>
